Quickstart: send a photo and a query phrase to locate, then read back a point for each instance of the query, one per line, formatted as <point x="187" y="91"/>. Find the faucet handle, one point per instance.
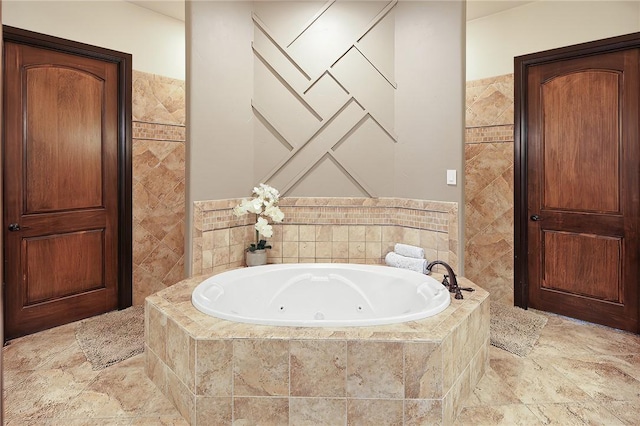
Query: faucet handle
<point x="445" y="281"/>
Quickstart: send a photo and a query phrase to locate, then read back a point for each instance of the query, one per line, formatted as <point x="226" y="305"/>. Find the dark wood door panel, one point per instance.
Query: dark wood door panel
<point x="63" y="151"/>
<point x="582" y="264"/>
<point x="580" y="107"/>
<point x="63" y="265"/>
<point x="52" y="313"/>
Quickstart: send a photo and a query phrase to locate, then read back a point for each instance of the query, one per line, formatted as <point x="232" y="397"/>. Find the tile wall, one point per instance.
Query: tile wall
<point x="158" y="183"/>
<point x="489" y="185"/>
<point x="354" y="230"/>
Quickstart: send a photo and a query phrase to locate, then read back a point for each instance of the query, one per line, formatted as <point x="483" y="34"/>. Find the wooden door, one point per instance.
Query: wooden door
<point x="582" y="170"/>
<point x="61" y="187"/>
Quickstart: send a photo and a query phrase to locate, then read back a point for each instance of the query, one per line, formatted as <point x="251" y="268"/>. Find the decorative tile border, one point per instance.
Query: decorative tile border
<point x="354" y="230"/>
<point x="489" y="134"/>
<point x="159" y="132"/>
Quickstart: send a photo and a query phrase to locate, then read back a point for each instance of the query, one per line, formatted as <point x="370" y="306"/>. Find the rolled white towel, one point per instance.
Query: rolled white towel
<point x="409" y="251"/>
<point x="411" y="263"/>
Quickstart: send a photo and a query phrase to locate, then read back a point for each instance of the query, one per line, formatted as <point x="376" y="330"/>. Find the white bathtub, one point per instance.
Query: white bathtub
<point x="321" y="295"/>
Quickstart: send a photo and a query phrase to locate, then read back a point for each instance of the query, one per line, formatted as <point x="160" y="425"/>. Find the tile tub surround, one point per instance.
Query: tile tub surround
<point x="354" y="230"/>
<point x="219" y="372"/>
<point x="489" y="185"/>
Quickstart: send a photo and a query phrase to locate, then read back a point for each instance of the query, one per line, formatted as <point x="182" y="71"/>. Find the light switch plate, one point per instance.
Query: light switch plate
<point x="451" y="177"/>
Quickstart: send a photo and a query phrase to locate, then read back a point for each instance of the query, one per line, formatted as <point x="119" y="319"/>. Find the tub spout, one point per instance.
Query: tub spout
<point x="451" y="285"/>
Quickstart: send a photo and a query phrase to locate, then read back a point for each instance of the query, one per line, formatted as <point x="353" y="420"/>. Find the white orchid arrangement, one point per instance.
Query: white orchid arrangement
<point x="264" y="205"/>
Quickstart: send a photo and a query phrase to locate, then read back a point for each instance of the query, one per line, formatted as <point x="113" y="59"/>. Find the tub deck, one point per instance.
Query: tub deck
<point x="221" y="372"/>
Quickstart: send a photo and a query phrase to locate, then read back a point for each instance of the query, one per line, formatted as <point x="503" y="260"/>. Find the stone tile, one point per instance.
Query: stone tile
<point x="267" y="411"/>
<point x="156" y="326"/>
<point x="357" y="250"/>
<point x="537" y="383"/>
<point x="114" y="392"/>
<point x="290" y="249"/>
<point x="181" y="353"/>
<point x="422" y="412"/>
<point x="221" y="238"/>
<point x="175" y="274"/>
<point x="158" y="99"/>
<point x="488" y="106"/>
<point x="144" y="284"/>
<point x="158" y="223"/>
<point x="581" y="338"/>
<point x="323" y="249"/>
<point x="374" y="370"/>
<point x="214" y="367"/>
<point x="324" y="233"/>
<point x="582" y="413"/>
<point x="28" y="353"/>
<point x="428" y="240"/>
<point x="391" y="234"/>
<point x="318" y="368"/>
<point x="155" y="369"/>
<point x="373" y="233"/>
<point x="160" y="261"/>
<point x="600" y="378"/>
<point x="629" y="364"/>
<point x="340" y="233"/>
<point x="307" y="249"/>
<point x="317" y="411"/>
<point x="340" y="250"/>
<point x="290" y="233"/>
<point x="508" y="415"/>
<point x="378" y="412"/>
<point x="373" y="250"/>
<point x="423" y="371"/>
<point x="237" y="236"/>
<point x="627" y="411"/>
<point x="46" y="392"/>
<point x="356" y="233"/>
<point x="213" y="411"/>
<point x="159" y="421"/>
<point x="181" y="397"/>
<point x="143" y="243"/>
<point x="261" y="367"/>
<point x="307" y="233"/>
<point x="489" y="161"/>
<point x="491" y="390"/>
<point x="411" y="236"/>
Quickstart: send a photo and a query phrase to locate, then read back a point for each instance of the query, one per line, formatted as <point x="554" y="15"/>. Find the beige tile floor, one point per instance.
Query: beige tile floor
<point x="578" y="373"/>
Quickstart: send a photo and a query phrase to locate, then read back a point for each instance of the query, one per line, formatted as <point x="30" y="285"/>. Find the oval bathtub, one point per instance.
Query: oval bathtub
<point x="321" y="295"/>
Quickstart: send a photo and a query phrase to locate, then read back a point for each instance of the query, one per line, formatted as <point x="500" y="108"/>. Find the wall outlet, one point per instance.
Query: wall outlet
<point x="451" y="177"/>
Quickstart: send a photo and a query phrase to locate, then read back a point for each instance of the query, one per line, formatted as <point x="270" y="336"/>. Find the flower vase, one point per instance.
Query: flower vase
<point x="256" y="257"/>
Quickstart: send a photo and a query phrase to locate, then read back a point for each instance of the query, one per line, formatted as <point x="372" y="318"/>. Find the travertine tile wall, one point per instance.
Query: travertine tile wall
<point x="489" y="185"/>
<point x="158" y="183"/>
<point x="354" y="230"/>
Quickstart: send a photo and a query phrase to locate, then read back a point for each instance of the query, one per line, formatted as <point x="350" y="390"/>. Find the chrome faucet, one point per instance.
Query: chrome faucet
<point x="453" y="285"/>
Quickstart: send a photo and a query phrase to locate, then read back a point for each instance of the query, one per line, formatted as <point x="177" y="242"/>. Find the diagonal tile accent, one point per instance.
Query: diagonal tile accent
<point x="158" y="183"/>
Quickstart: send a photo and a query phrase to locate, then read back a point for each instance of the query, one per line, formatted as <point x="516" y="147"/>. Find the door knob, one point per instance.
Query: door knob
<point x="14" y="227"/>
<point x="535" y="218"/>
